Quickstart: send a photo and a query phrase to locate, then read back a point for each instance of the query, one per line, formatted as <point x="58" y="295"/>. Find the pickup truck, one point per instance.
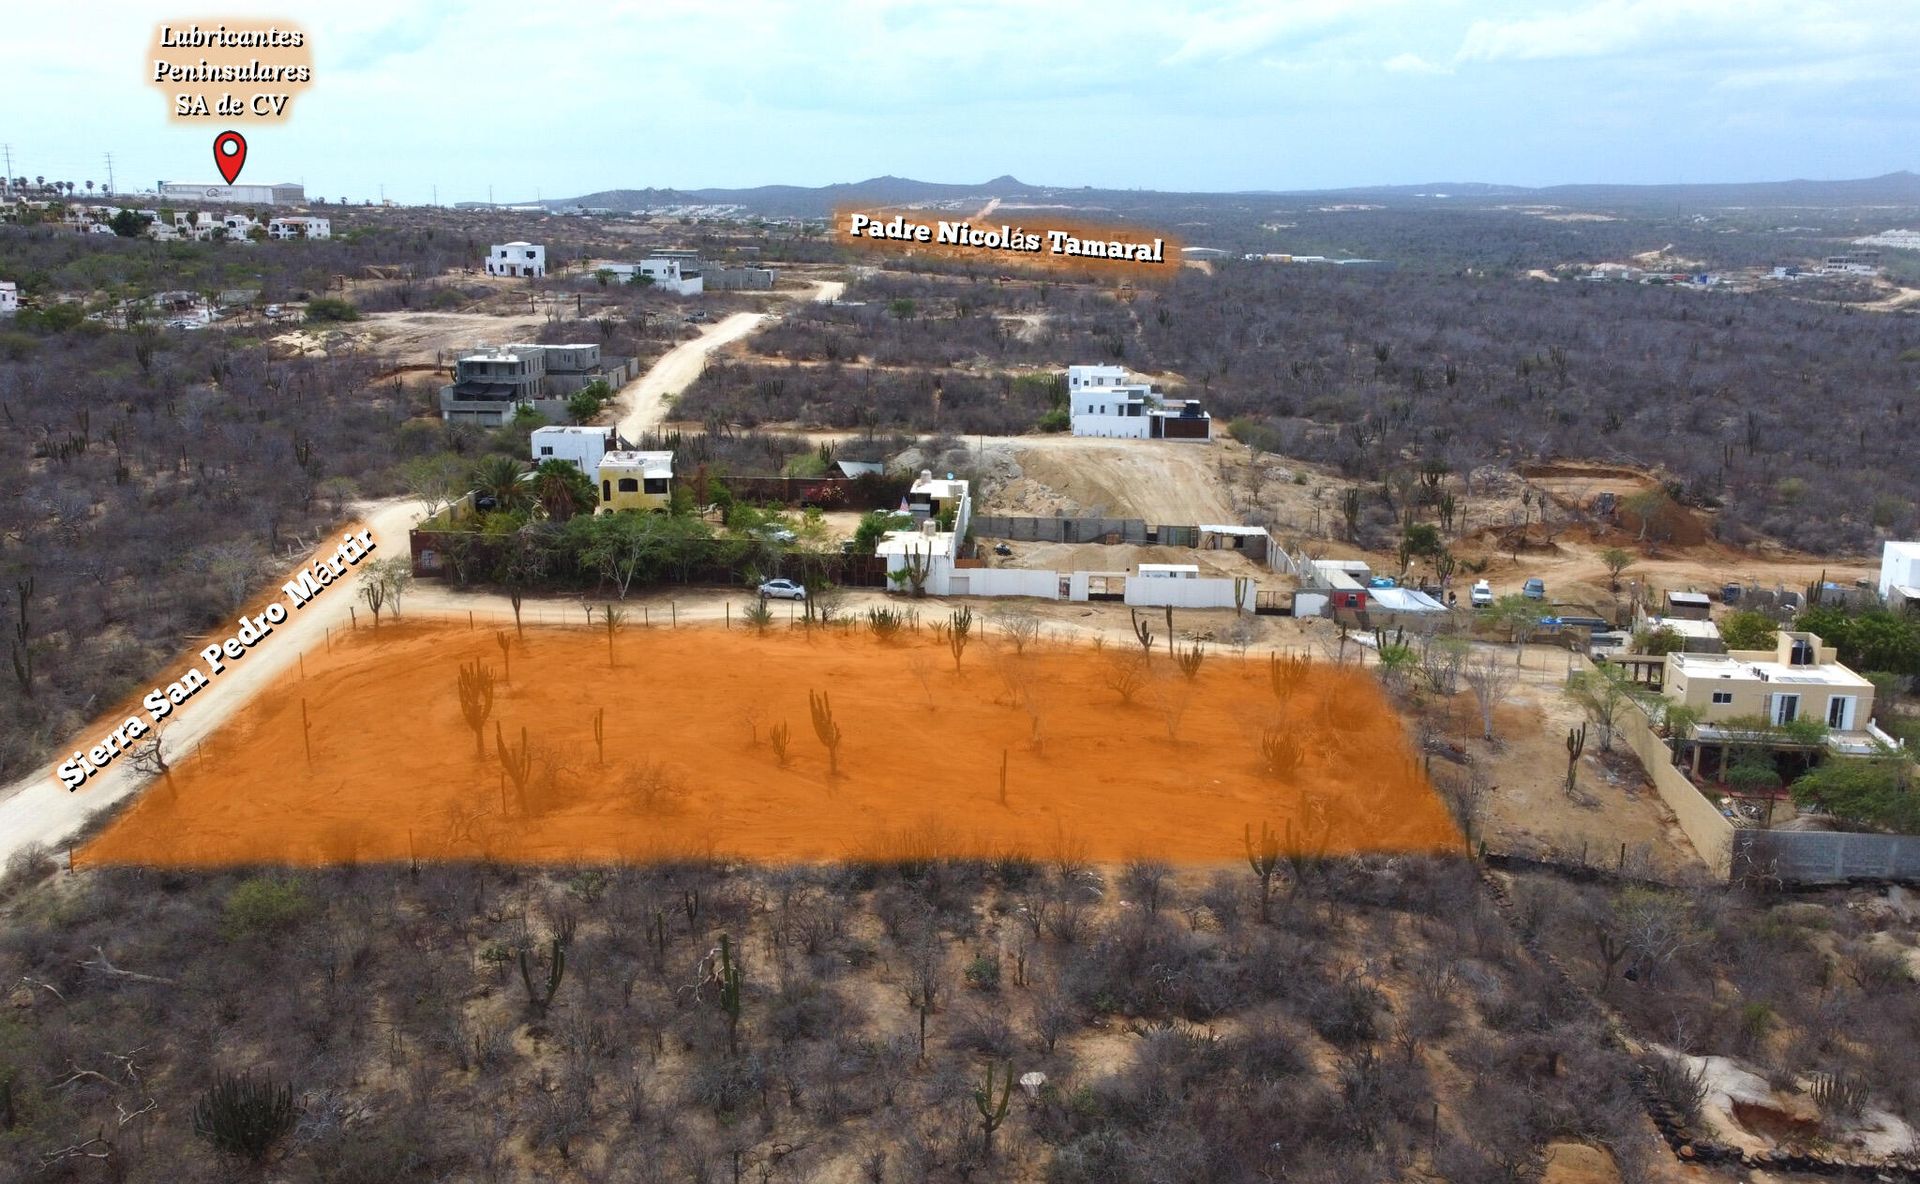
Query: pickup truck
<point x="1482" y="594"/>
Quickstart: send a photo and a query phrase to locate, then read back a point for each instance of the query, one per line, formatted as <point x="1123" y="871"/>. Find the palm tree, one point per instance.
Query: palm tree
<point x="502" y="479"/>
<point x="562" y="489"/>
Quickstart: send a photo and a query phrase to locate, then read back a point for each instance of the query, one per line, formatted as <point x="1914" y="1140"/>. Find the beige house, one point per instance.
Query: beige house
<point x="635" y="481"/>
<point x="1798" y="679"/>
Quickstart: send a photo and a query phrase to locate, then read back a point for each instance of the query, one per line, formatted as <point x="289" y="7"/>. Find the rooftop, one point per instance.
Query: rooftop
<point x="650" y="464"/>
<point x="913" y="542"/>
<point x="1830" y="674"/>
<point x="1685" y="627"/>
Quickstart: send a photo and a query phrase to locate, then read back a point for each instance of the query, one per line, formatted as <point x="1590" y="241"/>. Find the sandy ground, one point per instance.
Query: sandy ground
<point x="364" y="753"/>
<point x="417" y="338"/>
<point x="1174" y="483"/>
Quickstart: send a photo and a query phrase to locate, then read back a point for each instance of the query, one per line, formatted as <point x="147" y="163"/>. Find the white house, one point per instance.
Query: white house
<point x="299" y="228"/>
<point x="1899" y="567"/>
<point x="666" y="273"/>
<point x="9" y="298"/>
<point x="1102" y="402"/>
<point x="583" y="446"/>
<point x="517" y="259"/>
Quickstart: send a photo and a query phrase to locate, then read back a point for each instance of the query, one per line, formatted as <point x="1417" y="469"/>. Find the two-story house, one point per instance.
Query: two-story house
<point x="636" y="481"/>
<point x="524" y="260"/>
<point x="1799" y="679"/>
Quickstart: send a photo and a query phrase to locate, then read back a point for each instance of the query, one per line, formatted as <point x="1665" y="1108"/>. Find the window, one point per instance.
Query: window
<point x="629" y="485"/>
<point x="1840" y="713"/>
<point x="546" y="450"/>
<point x="656" y="485"/>
<point x="606" y="491"/>
<point x="1723" y="696"/>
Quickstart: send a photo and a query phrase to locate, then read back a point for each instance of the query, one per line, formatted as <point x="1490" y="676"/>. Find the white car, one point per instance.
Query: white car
<point x="782" y="590"/>
<point x="1482" y="594"/>
<point x="775" y="533"/>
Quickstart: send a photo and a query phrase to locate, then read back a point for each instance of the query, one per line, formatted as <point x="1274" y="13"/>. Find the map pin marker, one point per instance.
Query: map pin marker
<point x="229" y="152"/>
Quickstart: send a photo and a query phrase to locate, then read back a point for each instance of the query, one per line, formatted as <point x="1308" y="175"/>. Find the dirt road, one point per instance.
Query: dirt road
<point x="38" y="809"/>
<point x="644" y="400"/>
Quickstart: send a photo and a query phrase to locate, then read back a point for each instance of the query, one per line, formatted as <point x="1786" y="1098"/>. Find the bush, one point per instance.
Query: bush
<point x="983" y="973"/>
<point x="264" y="904"/>
<point x="1055" y="419"/>
<point x="328" y="308"/>
<point x="242" y="1117"/>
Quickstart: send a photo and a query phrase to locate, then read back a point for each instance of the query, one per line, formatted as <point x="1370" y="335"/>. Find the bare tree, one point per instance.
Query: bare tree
<point x="1491" y="681"/>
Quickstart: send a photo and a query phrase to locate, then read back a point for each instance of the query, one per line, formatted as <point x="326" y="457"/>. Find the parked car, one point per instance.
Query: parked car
<point x="1383" y="582"/>
<point x="1482" y="594"/>
<point x="1534" y="589"/>
<point x="1002" y="549"/>
<point x="782" y="590"/>
<point x="1730" y="593"/>
<point x="273" y="312"/>
<point x="776" y="534"/>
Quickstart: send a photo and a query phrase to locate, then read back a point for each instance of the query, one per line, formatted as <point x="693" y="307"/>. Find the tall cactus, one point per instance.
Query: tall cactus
<point x="539" y="999"/>
<point x="1264" y="859"/>
<point x="827" y="730"/>
<point x="1576" y="744"/>
<point x="993" y="1113"/>
<point x="516" y="765"/>
<point x="729" y="978"/>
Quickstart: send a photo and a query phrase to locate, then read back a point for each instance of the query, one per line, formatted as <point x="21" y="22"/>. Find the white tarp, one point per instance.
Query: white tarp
<point x="1403" y="600"/>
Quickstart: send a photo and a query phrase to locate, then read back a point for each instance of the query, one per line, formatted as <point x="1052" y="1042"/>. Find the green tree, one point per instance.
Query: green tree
<point x="1748" y="630"/>
<point x="503" y="479"/>
<point x="873" y="527"/>
<point x="1876" y="792"/>
<point x="328" y="308"/>
<point x="562" y="490"/>
<point x="1616" y="560"/>
<point x="1519" y="616"/>
<point x="129" y="223"/>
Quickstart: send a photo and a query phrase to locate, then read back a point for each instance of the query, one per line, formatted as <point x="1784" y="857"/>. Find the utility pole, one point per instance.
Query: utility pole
<point x="6" y="182"/>
<point x="109" y="172"/>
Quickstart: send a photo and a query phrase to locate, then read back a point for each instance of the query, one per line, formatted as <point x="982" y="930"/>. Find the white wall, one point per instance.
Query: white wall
<point x="1899" y="564"/>
<point x="584" y="449"/>
<point x="1203" y="593"/>
<point x="1129" y="427"/>
<point x="1002" y="581"/>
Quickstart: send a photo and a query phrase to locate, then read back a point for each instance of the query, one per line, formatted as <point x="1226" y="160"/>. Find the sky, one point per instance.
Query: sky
<point x="453" y="100"/>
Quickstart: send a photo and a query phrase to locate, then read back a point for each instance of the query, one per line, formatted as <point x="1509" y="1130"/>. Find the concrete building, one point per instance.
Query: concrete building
<point x="284" y="228"/>
<point x="636" y="481"/>
<point x="9" y="298"/>
<point x="489" y="388"/>
<point x="582" y="446"/>
<point x="518" y="259"/>
<point x="682" y="277"/>
<point x="1900" y="568"/>
<point x="1798" y="679"/>
<point x="570" y="366"/>
<point x="717" y="278"/>
<point x="281" y="194"/>
<point x="1103" y="402"/>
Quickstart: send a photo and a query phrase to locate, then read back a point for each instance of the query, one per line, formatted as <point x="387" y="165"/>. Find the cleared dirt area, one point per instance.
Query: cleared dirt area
<point x="367" y="755"/>
<point x="414" y="338"/>
<point x="1153" y="480"/>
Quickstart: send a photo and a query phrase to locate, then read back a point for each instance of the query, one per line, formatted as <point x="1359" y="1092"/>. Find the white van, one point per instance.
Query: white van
<point x="1482" y="594"/>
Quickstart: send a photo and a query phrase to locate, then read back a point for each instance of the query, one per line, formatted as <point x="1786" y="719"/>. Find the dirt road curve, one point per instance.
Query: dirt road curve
<point x="644" y="400"/>
<point x="38" y="809"/>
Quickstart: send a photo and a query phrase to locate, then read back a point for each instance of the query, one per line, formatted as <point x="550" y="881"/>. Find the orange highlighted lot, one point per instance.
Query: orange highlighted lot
<point x="708" y="743"/>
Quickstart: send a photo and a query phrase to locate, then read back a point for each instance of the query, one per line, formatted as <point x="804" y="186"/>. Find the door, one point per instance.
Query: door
<point x="1840" y="713"/>
<point x="1786" y="709"/>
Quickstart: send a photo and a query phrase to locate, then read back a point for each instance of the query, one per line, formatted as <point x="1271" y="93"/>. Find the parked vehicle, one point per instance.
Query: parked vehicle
<point x="782" y="590"/>
<point x="1383" y="582"/>
<point x="1590" y="623"/>
<point x="1534" y="589"/>
<point x="1482" y="594"/>
<point x="1002" y="549"/>
<point x="776" y="534"/>
<point x="1730" y="593"/>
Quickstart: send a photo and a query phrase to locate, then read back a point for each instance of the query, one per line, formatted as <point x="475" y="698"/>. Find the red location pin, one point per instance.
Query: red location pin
<point x="229" y="152"/>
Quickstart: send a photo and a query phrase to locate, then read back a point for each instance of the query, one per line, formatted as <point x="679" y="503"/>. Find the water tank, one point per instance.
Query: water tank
<point x="1802" y="654"/>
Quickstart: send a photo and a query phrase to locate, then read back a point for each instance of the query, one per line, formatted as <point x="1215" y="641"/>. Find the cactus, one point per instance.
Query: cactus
<point x="1264" y="859"/>
<point x="827" y="730"/>
<point x="1170" y="652"/>
<point x="993" y="1113"/>
<point x="657" y="936"/>
<point x="1003" y="776"/>
<point x="515" y="765"/>
<point x="476" y="702"/>
<point x="1190" y="660"/>
<point x="729" y="978"/>
<point x="538" y="1000"/>
<point x="959" y="632"/>
<point x="1143" y="632"/>
<point x="1576" y="744"/>
<point x="506" y="654"/>
<point x="600" y="735"/>
<point x="242" y="1117"/>
<point x="1287" y="674"/>
<point x="779" y="735"/>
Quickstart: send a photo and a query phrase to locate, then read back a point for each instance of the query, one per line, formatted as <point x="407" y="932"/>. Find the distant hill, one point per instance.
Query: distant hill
<point x="1896" y="189"/>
